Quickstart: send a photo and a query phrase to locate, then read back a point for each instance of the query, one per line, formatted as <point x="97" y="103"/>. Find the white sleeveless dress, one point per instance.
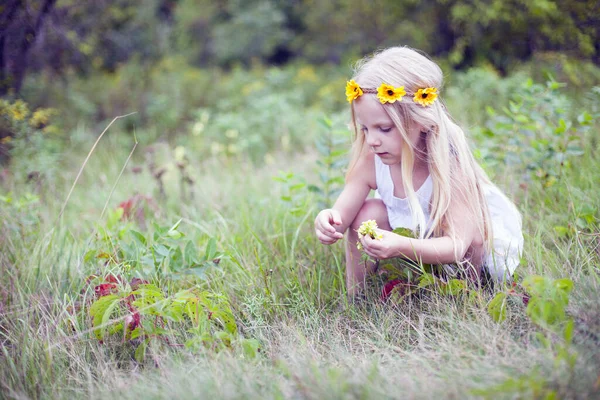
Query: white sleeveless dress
<point x="506" y="220"/>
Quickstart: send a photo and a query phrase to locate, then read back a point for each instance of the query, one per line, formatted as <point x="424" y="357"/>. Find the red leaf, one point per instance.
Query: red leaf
<point x="104" y="289"/>
<point x="126" y="205"/>
<point x="136" y="282"/>
<point x="387" y="289"/>
<point x="110" y="278"/>
<point x="132" y="321"/>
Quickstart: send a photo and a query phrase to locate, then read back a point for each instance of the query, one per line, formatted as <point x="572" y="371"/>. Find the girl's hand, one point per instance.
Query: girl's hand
<point x="387" y="247"/>
<point x="324" y="226"/>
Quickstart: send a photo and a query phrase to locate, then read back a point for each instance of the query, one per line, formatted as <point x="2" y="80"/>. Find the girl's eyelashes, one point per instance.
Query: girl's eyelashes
<point x="381" y="129"/>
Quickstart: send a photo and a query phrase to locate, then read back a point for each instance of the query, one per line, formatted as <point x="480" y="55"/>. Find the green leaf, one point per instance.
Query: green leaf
<point x="101" y="311"/>
<point x="250" y="347"/>
<point x="148" y="293"/>
<point x="176" y="262"/>
<point x="200" y="272"/>
<point x="136" y="333"/>
<point x="314" y="189"/>
<point x="490" y="111"/>
<point x="584" y="118"/>
<point x="426" y="280"/>
<point x="532" y="281"/>
<point x="521" y="118"/>
<point x="162" y="250"/>
<point x="569" y="328"/>
<point x="297" y="186"/>
<point x="224" y="337"/>
<point x="175" y="234"/>
<point x="140" y="352"/>
<point x="404" y="232"/>
<point x="455" y="286"/>
<point x="497" y="307"/>
<point x="565" y="285"/>
<point x="138" y="237"/>
<point x="326" y="123"/>
<point x="562" y="231"/>
<point x="89" y="255"/>
<point x="561" y="128"/>
<point x="190" y="252"/>
<point x="211" y="249"/>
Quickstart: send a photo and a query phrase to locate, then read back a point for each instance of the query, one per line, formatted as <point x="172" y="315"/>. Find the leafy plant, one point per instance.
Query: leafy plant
<point x="165" y="253"/>
<point x="546" y="300"/>
<point x="144" y="314"/>
<point x="293" y="192"/>
<point x="404" y="277"/>
<point x="332" y="160"/>
<point x="28" y="139"/>
<point x="535" y="132"/>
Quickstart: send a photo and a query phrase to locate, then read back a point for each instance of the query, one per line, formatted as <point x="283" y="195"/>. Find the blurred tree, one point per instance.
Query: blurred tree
<point x="20" y="24"/>
<point x="333" y="30"/>
<point x="80" y="35"/>
<point x="253" y="29"/>
<point x="192" y="30"/>
<point x="503" y="31"/>
<point x="102" y="34"/>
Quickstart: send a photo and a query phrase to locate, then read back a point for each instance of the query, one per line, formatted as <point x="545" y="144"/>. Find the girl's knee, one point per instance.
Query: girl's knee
<point x="372" y="209"/>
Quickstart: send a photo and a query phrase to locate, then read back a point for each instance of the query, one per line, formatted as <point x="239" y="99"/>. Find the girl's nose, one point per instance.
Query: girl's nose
<point x="372" y="141"/>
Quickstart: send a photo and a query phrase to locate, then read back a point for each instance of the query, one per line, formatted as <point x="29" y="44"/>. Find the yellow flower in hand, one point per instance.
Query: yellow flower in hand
<point x="389" y="94"/>
<point x="368" y="228"/>
<point x="353" y="91"/>
<point x="425" y="97"/>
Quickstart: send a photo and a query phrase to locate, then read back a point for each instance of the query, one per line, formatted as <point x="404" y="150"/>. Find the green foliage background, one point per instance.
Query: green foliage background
<point x="175" y="256"/>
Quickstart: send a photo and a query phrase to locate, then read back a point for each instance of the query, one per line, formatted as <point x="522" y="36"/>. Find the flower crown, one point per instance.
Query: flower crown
<point x="389" y="94"/>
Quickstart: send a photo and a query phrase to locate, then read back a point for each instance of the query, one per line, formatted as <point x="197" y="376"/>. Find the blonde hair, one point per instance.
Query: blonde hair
<point x="454" y="171"/>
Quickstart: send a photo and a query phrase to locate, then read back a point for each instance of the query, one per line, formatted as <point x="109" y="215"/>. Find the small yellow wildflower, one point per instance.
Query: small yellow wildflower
<point x="19" y="110"/>
<point x="368" y="227"/>
<point x="41" y="117"/>
<point x="425" y="97"/>
<point x="389" y="94"/>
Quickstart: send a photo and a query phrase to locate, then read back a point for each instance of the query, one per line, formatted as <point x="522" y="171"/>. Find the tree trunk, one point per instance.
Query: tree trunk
<point x="14" y="67"/>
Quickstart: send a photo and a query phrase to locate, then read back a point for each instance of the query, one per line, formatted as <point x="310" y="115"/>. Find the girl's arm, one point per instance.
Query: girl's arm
<point x="330" y="224"/>
<point x="439" y="250"/>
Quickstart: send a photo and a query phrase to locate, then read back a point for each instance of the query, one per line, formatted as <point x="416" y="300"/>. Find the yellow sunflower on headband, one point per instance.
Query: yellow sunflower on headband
<point x="425" y="97"/>
<point x="389" y="94"/>
<point x="353" y="91"/>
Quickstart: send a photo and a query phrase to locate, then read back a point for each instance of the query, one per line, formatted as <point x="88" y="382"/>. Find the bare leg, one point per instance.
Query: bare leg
<point x="357" y="270"/>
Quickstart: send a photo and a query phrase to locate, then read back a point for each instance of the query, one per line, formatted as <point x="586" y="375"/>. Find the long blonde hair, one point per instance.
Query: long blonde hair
<point x="452" y="166"/>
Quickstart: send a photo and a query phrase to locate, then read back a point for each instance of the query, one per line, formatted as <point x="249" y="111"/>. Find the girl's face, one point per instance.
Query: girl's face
<point x="381" y="135"/>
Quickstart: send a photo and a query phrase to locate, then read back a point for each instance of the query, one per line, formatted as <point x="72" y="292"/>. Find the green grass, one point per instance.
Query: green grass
<point x="285" y="290"/>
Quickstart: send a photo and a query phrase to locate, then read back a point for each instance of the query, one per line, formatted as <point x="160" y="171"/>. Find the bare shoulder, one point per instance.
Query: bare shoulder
<point x="363" y="171"/>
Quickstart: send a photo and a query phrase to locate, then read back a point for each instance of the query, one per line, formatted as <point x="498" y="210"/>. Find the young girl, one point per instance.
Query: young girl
<point x="410" y="151"/>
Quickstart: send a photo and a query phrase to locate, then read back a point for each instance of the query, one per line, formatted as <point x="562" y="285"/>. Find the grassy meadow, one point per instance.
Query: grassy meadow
<point x="182" y="263"/>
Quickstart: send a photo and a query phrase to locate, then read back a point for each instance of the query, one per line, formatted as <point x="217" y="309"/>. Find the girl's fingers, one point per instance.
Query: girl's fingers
<point x="324" y="238"/>
<point x="336" y="218"/>
<point x="370" y="246"/>
<point x="324" y="222"/>
<point x="326" y="232"/>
